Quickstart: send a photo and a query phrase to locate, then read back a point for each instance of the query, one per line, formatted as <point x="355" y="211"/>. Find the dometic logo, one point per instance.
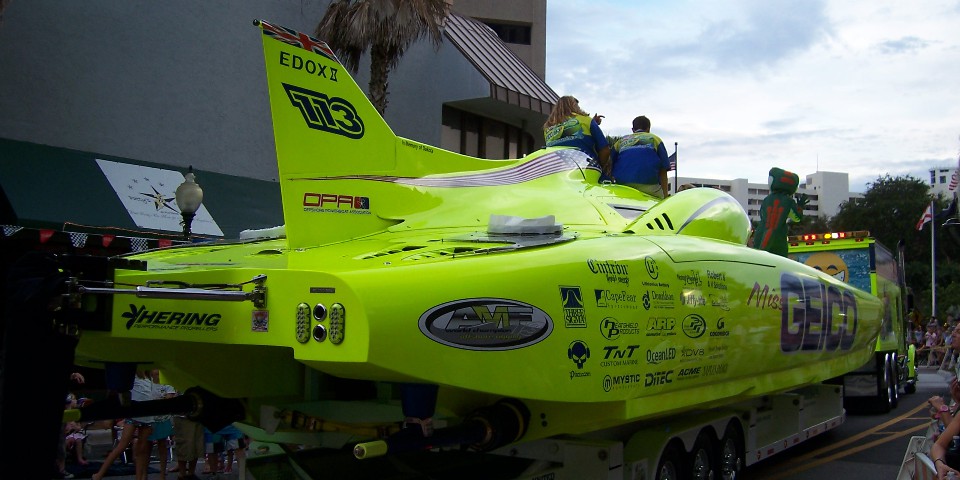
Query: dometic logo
<point x="140" y="317"/>
<point x="817" y="317"/>
<point x="654" y="357"/>
<point x="334" y="203"/>
<point x="694" y="326"/>
<point x="574" y="315"/>
<point x="611" y="329"/>
<point x="486" y="324"/>
<point x="611" y="299"/>
<point x="611" y="382"/>
<point x="328" y="114"/>
<point x="658" y="378"/>
<point x="615" y="272"/>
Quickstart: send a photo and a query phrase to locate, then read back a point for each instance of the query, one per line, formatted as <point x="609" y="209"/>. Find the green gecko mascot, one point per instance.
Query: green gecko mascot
<point x="777" y="209"/>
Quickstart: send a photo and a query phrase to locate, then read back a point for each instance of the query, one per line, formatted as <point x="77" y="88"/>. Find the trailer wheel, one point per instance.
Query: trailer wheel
<point x="703" y="463"/>
<point x="731" y="452"/>
<point x="670" y="466"/>
<point x="883" y="402"/>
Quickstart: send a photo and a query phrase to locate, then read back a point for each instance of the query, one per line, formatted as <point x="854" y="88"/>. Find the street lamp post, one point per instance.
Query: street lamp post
<point x="189" y="196"/>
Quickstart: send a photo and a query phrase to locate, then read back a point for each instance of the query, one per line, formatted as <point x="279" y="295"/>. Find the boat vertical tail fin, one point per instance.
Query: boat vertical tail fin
<point x="325" y="128"/>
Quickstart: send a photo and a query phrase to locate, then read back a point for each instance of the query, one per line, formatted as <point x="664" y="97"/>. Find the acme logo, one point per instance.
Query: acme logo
<point x="328" y="114"/>
<point x="140" y="316"/>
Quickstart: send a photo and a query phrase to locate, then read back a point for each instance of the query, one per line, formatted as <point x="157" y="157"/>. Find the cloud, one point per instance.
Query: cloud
<point x="902" y="45"/>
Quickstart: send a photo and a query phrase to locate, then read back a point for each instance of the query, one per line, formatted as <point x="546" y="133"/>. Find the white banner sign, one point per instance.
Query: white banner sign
<point x="148" y="195"/>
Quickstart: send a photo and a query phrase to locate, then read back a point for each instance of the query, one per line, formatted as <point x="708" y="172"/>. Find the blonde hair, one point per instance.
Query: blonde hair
<point x="566" y="107"/>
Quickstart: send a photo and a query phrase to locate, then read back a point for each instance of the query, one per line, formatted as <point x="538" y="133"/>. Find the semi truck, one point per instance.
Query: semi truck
<point x="858" y="259"/>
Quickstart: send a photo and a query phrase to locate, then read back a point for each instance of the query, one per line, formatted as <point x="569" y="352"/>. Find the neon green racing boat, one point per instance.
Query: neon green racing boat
<point x="416" y="286"/>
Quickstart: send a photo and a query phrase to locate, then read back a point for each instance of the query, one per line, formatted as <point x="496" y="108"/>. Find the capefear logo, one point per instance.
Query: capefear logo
<point x="140" y="317"/>
<point x="328" y="114"/>
<point x="574" y="315"/>
<point x="486" y="324"/>
<point x="816" y="316"/>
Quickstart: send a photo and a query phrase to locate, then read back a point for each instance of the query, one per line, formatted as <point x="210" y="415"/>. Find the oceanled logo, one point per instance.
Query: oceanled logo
<point x="486" y="324"/>
<point x="140" y="317"/>
<point x="328" y="114"/>
<point x="574" y="315"/>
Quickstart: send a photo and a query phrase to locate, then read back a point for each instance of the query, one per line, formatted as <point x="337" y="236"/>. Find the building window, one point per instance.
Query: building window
<point x="477" y="136"/>
<point x="511" y="33"/>
<point x="943" y="179"/>
<point x="933" y="177"/>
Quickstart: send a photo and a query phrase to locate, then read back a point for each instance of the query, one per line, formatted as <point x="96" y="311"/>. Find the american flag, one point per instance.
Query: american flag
<point x="297" y="39"/>
<point x="927" y="216"/>
<point x="673" y="161"/>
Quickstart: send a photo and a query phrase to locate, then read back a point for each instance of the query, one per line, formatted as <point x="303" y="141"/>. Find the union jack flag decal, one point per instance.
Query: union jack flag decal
<point x="297" y="39"/>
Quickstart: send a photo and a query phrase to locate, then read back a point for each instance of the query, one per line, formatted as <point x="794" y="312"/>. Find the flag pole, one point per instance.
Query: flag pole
<point x="676" y="167"/>
<point x="933" y="267"/>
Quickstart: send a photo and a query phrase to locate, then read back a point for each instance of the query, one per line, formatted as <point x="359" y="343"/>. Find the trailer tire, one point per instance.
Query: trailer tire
<point x="670" y="466"/>
<point x="731" y="459"/>
<point x="894" y="382"/>
<point x="703" y="458"/>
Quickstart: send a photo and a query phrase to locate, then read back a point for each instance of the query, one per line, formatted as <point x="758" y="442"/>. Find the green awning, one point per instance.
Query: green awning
<point x="44" y="187"/>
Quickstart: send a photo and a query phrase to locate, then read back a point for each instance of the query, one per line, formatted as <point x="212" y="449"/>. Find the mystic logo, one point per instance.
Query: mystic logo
<point x="328" y="114"/>
<point x="611" y="382"/>
<point x="486" y="324"/>
<point x="694" y="326"/>
<point x="761" y="297"/>
<point x="816" y="317"/>
<point x="140" y="317"/>
<point x="574" y="315"/>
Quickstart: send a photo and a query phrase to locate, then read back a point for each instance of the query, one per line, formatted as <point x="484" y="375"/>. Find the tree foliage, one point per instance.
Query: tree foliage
<point x="890" y="210"/>
<point x="384" y="27"/>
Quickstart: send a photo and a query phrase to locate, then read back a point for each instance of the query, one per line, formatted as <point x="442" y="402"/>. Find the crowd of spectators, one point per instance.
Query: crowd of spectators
<point x="937" y="343"/>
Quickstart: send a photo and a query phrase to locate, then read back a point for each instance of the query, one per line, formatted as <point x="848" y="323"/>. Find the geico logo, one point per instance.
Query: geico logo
<point x="330" y="200"/>
<point x="658" y="378"/>
<point x="617" y="352"/>
<point x="329" y="114"/>
<point x="816" y="316"/>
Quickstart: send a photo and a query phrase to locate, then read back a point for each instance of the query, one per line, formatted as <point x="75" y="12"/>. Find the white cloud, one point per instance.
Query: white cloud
<point x="866" y="88"/>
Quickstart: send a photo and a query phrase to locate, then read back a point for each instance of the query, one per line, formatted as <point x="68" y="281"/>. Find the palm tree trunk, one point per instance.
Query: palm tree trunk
<point x="379" y="71"/>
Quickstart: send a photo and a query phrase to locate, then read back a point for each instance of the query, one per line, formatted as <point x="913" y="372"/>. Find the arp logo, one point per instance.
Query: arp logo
<point x="815" y="316"/>
<point x="329" y="114"/>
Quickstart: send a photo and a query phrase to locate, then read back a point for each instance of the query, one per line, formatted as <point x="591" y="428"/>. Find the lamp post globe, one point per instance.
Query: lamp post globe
<point x="189" y="196"/>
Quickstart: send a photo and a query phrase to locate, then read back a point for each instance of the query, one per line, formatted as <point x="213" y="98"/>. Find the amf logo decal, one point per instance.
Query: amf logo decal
<point x="486" y="324"/>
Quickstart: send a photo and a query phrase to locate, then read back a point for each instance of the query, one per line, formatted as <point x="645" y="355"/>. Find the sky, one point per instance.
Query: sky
<point x="869" y="88"/>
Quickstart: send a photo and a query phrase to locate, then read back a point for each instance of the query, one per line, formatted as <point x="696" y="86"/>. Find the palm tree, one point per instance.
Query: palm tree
<point x="386" y="28"/>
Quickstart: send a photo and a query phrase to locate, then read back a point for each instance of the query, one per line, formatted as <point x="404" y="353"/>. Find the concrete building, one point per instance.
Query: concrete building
<point x="827" y="190"/>
<point x="941" y="178"/>
<point x="169" y="85"/>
